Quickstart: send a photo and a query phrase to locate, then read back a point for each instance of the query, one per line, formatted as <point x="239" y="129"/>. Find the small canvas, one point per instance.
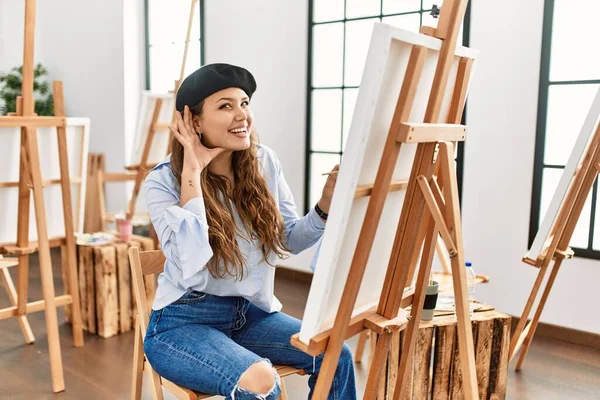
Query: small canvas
<point x="544" y="236"/>
<point x="78" y="133"/>
<point x="386" y="65"/>
<point x="160" y="144"/>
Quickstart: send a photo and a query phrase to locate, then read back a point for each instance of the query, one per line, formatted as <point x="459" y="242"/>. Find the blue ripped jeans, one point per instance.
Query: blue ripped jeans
<point x="206" y="342"/>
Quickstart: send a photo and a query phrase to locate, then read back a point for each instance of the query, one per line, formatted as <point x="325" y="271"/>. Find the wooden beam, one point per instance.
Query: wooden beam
<point x="136" y="167"/>
<point x="569" y="253"/>
<point x="411" y="132"/>
<point x="366" y="190"/>
<point x="11" y="290"/>
<point x="32" y="122"/>
<point x="427" y="30"/>
<point x="118" y="177"/>
<point x="318" y="344"/>
<point x="13" y="249"/>
<point x="161" y="127"/>
<point x="437" y="216"/>
<point x="380" y="325"/>
<point x="8" y="262"/>
<point x="531" y="262"/>
<point x="34" y="306"/>
<point x="75" y="180"/>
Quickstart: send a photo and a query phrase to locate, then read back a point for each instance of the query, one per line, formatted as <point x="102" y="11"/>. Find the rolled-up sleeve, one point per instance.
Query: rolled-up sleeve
<point x="300" y="233"/>
<point x="182" y="231"/>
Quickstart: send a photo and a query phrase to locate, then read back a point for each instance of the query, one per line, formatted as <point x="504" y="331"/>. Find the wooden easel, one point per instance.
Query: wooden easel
<point x="558" y="249"/>
<point x="430" y="208"/>
<point x="139" y="171"/>
<point x="30" y="178"/>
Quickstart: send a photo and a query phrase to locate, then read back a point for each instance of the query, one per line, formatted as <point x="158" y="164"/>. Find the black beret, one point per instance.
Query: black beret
<point x="211" y="78"/>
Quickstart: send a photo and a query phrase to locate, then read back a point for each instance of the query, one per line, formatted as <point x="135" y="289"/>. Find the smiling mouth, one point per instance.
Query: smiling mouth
<point x="239" y="132"/>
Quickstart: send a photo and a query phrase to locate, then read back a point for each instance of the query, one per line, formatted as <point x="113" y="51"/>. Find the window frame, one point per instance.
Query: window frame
<point x="200" y="6"/>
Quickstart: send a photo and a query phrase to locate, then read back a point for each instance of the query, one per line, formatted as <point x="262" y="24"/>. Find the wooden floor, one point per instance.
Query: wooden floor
<point x="102" y="369"/>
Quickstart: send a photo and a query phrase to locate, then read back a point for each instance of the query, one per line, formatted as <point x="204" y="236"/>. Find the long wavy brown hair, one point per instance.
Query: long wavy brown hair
<point x="255" y="205"/>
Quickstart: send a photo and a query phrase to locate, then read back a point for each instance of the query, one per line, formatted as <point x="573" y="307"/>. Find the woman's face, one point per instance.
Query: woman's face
<point x="226" y="120"/>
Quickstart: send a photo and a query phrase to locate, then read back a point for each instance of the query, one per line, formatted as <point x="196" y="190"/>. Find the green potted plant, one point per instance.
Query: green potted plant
<point x="10" y="88"/>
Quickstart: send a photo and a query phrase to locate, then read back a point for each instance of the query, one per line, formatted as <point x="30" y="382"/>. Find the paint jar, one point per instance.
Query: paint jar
<point x="430" y="301"/>
<point x="125" y="228"/>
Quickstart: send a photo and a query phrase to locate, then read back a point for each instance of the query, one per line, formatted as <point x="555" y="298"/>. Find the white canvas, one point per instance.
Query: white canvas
<point x="543" y="238"/>
<point x="386" y="64"/>
<point x="78" y="131"/>
<point x="160" y="144"/>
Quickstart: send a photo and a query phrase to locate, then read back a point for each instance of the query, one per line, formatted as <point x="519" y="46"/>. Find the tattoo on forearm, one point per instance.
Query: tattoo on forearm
<point x="190" y="183"/>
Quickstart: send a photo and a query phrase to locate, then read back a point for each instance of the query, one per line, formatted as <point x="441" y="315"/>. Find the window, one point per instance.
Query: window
<point x="166" y="29"/>
<point x="569" y="79"/>
<point x="339" y="36"/>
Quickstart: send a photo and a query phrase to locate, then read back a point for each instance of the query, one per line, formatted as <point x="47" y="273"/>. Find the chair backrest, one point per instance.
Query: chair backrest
<point x="144" y="263"/>
<point x="153" y="262"/>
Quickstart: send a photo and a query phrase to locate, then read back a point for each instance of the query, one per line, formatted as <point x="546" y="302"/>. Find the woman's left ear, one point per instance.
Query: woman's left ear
<point x="196" y="124"/>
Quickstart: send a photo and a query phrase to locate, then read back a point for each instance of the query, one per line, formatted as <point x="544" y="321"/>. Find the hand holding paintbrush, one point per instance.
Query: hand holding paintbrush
<point x="334" y="170"/>
<point x="325" y="201"/>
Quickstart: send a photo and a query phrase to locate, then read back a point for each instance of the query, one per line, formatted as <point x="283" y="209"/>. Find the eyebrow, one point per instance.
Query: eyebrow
<point x="232" y="99"/>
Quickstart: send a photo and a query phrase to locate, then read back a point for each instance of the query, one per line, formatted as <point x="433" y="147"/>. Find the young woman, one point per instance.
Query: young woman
<point x="224" y="213"/>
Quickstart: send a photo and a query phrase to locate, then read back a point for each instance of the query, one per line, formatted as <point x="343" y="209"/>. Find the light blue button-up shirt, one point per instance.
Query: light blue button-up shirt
<point x="183" y="235"/>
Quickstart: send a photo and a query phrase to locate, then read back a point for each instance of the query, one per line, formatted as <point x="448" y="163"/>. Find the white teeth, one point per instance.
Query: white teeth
<point x="238" y="130"/>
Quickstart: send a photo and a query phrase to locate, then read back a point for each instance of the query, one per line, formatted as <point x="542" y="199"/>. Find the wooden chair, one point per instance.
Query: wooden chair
<point x="152" y="262"/>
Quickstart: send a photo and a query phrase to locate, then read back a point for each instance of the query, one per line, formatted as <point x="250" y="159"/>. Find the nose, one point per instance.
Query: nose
<point x="240" y="115"/>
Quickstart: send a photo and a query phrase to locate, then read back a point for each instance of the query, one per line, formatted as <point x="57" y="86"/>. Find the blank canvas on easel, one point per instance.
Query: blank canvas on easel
<point x="160" y="144"/>
<point x="386" y="64"/>
<point x="544" y="236"/>
<point x="78" y="131"/>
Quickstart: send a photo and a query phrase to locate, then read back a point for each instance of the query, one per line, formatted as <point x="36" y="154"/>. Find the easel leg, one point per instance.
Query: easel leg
<point x="516" y="338"/>
<point x="58" y="382"/>
<point x="76" y="303"/>
<point x="360" y="347"/>
<point x="538" y="313"/>
<point x="412" y="331"/>
<point x="136" y="190"/>
<point x="372" y="347"/>
<point x="23" y="223"/>
<point x="59" y="110"/>
<point x="415" y="256"/>
<point x="12" y="295"/>
<point x="101" y="193"/>
<point x="443" y="257"/>
<point x="459" y="277"/>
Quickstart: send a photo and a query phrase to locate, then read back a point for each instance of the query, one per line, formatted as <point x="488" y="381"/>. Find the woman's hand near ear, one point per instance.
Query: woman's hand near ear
<point x="195" y="155"/>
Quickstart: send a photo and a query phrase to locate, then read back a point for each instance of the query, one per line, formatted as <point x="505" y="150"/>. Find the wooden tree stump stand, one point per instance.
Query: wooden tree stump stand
<point x="106" y="295"/>
<point x="436" y="370"/>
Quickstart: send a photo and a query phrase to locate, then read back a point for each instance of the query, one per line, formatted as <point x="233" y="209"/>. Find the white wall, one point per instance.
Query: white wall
<point x="270" y="39"/>
<point x="502" y="115"/>
<point x="83" y="44"/>
<point x="11" y="34"/>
